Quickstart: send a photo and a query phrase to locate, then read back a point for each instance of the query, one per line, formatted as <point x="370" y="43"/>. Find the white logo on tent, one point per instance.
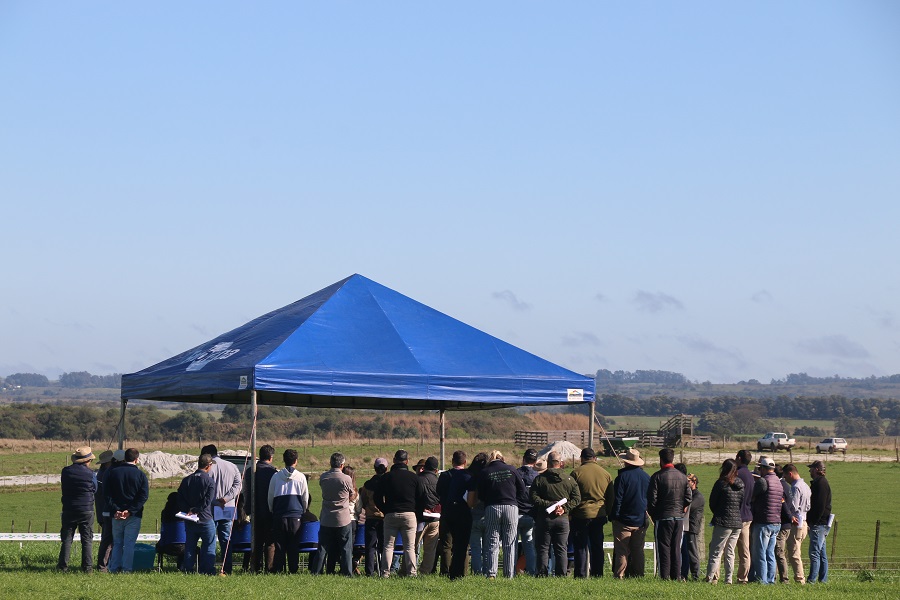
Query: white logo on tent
<point x="576" y="394"/>
<point x="220" y="351"/>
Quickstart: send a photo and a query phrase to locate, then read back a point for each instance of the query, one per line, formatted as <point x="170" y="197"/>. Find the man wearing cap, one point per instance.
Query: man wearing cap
<point x="427" y="501"/>
<point x="668" y="501"/>
<point x="195" y="497"/>
<point x="396" y="498"/>
<point x="553" y="494"/>
<point x="126" y="489"/>
<point x="800" y="497"/>
<point x="78" y="488"/>
<point x="588" y="518"/>
<point x="818" y="517"/>
<point x="629" y="516"/>
<point x="103" y="517"/>
<point x="768" y="496"/>
<point x="228" y="485"/>
<point x="374" y="517"/>
<point x="526" y="518"/>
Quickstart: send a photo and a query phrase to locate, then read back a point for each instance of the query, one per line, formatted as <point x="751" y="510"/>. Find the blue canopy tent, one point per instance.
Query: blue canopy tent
<point x="358" y="344"/>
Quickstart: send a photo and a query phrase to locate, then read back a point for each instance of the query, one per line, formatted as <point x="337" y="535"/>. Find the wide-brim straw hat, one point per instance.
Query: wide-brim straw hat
<point x="632" y="457"/>
<point x="82" y="455"/>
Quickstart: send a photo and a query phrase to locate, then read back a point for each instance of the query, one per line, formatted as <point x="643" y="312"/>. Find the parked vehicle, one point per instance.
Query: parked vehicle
<point x="775" y="441"/>
<point x="832" y="445"/>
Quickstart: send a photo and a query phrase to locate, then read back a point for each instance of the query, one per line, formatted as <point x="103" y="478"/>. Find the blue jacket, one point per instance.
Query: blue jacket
<point x="126" y="488"/>
<point x="630" y="489"/>
<point x="196" y="494"/>
<point x="78" y="488"/>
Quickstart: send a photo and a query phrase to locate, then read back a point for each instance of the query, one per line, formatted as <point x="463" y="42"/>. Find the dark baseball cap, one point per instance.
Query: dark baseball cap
<point x="588" y="453"/>
<point x="431" y="463"/>
<point x="530" y="455"/>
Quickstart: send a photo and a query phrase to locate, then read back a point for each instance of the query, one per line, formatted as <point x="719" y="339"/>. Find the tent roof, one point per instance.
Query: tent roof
<point x="358" y="344"/>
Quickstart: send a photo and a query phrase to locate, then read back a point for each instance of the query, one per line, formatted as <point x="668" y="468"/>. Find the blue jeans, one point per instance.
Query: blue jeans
<point x="526" y="533"/>
<point x="206" y="533"/>
<point x="763" y="550"/>
<point x="818" y="555"/>
<point x="223" y="529"/>
<point x="125" y="532"/>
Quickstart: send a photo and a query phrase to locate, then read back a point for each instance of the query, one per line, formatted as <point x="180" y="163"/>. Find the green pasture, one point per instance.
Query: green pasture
<point x="175" y="586"/>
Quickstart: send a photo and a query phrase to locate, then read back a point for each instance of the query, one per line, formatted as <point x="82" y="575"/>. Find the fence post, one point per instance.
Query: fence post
<point x="834" y="540"/>
<point x="45" y="526"/>
<point x="29" y="525"/>
<point x="875" y="552"/>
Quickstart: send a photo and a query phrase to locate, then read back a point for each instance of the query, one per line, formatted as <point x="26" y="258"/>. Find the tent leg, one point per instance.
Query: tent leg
<point x="591" y="426"/>
<point x="253" y="532"/>
<point x="122" y="424"/>
<point x="443" y="436"/>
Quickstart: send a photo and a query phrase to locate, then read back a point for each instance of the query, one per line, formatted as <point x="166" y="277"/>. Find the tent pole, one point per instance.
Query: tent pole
<point x="122" y="424"/>
<point x="443" y="434"/>
<point x="253" y="532"/>
<point x="591" y="426"/>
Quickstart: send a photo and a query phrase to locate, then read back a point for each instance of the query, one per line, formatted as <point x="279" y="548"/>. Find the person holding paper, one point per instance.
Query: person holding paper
<point x="195" y="500"/>
<point x="228" y="485"/>
<point x="553" y="493"/>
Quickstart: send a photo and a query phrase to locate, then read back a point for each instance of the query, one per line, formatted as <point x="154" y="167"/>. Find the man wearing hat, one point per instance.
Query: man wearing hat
<point x="818" y="517"/>
<point x="103" y="517"/>
<point x="78" y="489"/>
<point x="768" y="496"/>
<point x="629" y="516"/>
<point x="588" y="518"/>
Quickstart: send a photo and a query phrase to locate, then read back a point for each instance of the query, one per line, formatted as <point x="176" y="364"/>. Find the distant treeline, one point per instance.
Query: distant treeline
<point x="78" y="379"/>
<point x="777" y="407"/>
<point x="853" y="417"/>
<point x="607" y="377"/>
<point x="71" y="422"/>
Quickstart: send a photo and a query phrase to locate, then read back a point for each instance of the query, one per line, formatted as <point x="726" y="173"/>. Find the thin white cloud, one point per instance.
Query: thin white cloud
<point x="580" y="339"/>
<point x="838" y="346"/>
<point x="762" y="296"/>
<point x="511" y="299"/>
<point x="654" y="303"/>
<point x="704" y="346"/>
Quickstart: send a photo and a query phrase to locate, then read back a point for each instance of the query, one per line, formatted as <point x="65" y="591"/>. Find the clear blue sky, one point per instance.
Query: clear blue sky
<point x="710" y="188"/>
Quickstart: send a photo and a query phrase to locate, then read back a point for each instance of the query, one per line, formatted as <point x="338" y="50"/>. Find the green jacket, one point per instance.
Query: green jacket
<point x="550" y="487"/>
<point x="595" y="485"/>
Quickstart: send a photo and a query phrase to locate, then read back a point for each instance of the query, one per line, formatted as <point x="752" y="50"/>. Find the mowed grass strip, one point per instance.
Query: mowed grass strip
<point x="192" y="587"/>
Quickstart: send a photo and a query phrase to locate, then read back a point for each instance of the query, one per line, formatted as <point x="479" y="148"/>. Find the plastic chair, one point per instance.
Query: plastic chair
<point x="172" y="537"/>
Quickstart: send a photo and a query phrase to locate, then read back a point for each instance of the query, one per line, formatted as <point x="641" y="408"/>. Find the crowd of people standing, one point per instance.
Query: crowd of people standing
<point x="460" y="521"/>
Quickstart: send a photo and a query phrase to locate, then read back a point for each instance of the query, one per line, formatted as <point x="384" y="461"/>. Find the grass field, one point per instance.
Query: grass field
<point x="45" y="584"/>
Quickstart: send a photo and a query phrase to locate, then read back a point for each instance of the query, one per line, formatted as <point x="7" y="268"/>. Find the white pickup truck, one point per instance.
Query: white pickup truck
<point x="775" y="441"/>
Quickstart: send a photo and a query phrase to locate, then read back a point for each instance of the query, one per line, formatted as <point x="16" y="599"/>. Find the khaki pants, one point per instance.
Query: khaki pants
<point x="628" y="550"/>
<point x="427" y="539"/>
<point x="405" y="524"/>
<point x="794" y="553"/>
<point x="743" y="553"/>
<point x="780" y="559"/>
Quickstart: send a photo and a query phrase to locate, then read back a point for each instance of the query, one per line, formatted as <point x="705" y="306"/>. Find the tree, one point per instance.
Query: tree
<point x="28" y="379"/>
